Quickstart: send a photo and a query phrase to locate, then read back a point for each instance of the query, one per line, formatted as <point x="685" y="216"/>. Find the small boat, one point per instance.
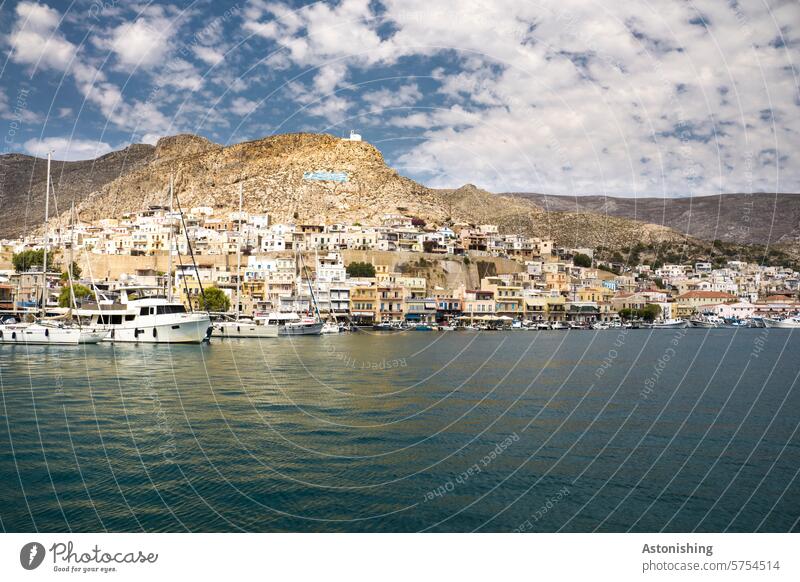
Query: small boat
<point x="542" y="325"/>
<point x="244" y="328"/>
<point x="447" y="327"/>
<point x="330" y="328"/>
<point x="422" y="327"/>
<point x="559" y="325"/>
<point x="290" y="323"/>
<point x="670" y="324"/>
<point x="787" y="323"/>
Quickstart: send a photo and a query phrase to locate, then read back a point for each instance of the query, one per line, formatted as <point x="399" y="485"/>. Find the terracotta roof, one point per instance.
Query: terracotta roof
<point x="706" y="295"/>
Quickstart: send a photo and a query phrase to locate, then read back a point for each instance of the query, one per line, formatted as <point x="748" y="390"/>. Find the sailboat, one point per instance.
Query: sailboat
<point x="292" y="323"/>
<point x="45" y="331"/>
<point x="239" y="327"/>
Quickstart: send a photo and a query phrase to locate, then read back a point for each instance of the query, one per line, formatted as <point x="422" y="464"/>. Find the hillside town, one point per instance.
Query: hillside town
<point x="302" y="268"/>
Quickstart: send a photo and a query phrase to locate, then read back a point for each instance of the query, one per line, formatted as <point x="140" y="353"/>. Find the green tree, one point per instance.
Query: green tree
<point x="81" y="292"/>
<point x="358" y="269"/>
<point x="214" y="299"/>
<point x="76" y="272"/>
<point x="26" y="260"/>
<point x="625" y="313"/>
<point x="649" y="312"/>
<point x="581" y="260"/>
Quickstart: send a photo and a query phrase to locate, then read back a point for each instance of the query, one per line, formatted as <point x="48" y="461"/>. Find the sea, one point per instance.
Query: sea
<point x="692" y="430"/>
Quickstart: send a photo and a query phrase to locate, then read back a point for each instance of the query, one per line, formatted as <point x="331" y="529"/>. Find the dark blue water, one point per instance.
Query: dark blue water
<point x="684" y="430"/>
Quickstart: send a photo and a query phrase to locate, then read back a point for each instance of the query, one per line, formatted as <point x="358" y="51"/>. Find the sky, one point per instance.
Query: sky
<point x="637" y="98"/>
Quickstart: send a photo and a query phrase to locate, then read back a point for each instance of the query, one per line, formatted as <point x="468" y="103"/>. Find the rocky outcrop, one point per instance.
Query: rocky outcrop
<point x="22" y="184"/>
<point x="319" y="178"/>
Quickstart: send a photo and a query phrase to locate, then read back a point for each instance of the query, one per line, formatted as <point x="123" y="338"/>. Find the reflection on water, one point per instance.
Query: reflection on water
<point x="530" y="431"/>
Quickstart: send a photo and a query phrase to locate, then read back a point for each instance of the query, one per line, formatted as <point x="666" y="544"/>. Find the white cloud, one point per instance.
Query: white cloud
<point x="65" y="148"/>
<point x="242" y="106"/>
<point x="142" y="43"/>
<point x="35" y="41"/>
<point x="208" y="55"/>
<point x="389" y="98"/>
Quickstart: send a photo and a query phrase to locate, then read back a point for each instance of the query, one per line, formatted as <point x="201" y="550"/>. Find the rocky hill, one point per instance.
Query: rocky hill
<point x="275" y="175"/>
<point x="22" y="184"/>
<point x="759" y="218"/>
<point x="280" y="175"/>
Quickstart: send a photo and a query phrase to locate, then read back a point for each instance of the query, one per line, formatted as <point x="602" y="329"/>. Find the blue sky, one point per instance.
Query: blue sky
<point x="668" y="98"/>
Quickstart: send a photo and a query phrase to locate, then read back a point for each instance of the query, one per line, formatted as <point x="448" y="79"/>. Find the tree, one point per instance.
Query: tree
<point x="81" y="292"/>
<point x="428" y="246"/>
<point x="26" y="260"/>
<point x="75" y="270"/>
<point x="358" y="269"/>
<point x="581" y="260"/>
<point x="418" y="222"/>
<point x="625" y="313"/>
<point x="214" y="299"/>
<point x="649" y="312"/>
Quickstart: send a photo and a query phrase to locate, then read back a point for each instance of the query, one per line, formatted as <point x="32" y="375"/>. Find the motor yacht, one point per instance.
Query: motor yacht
<point x="143" y="314"/>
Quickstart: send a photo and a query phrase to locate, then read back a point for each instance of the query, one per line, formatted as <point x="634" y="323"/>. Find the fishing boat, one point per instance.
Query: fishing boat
<point x="670" y="324"/>
<point x="792" y="322"/>
<point x="706" y="321"/>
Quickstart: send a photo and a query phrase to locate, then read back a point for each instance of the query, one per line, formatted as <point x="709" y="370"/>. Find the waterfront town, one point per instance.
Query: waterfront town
<point x="407" y="272"/>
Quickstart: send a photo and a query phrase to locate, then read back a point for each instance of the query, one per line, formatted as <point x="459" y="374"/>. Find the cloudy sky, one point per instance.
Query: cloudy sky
<point x="658" y="98"/>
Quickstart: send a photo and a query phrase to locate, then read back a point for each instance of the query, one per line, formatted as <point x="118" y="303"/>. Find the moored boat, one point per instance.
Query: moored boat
<point x="142" y="314"/>
<point x="49" y="333"/>
<point x="670" y="324"/>
<point x="787" y="323"/>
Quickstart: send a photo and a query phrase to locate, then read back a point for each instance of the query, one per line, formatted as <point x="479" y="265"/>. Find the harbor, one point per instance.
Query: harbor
<point x="625" y="430"/>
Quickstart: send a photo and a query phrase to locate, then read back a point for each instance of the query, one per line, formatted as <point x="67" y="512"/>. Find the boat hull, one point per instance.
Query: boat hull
<point x="33" y="334"/>
<point x="781" y="323"/>
<point x="190" y="329"/>
<point x="671" y="325"/>
<point x="244" y="330"/>
<point x="301" y="329"/>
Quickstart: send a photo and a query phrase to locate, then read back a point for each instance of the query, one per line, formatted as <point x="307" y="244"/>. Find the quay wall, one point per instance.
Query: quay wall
<point x="444" y="271"/>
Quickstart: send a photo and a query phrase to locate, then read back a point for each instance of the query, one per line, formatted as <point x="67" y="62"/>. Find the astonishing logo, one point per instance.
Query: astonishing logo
<point x="31" y="555"/>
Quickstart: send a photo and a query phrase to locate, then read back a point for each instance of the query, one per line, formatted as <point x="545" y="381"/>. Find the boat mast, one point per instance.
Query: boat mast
<point x="169" y="246"/>
<point x="73" y="303"/>
<point x="239" y="257"/>
<point x="46" y="217"/>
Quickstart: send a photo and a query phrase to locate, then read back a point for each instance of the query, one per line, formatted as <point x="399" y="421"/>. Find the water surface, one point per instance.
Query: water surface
<point x="674" y="430"/>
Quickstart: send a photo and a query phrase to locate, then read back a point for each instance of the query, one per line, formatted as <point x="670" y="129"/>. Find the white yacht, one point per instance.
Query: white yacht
<point x="49" y="333"/>
<point x="788" y="323"/>
<point x="143" y="314"/>
<point x="245" y="328"/>
<point x="670" y="324"/>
